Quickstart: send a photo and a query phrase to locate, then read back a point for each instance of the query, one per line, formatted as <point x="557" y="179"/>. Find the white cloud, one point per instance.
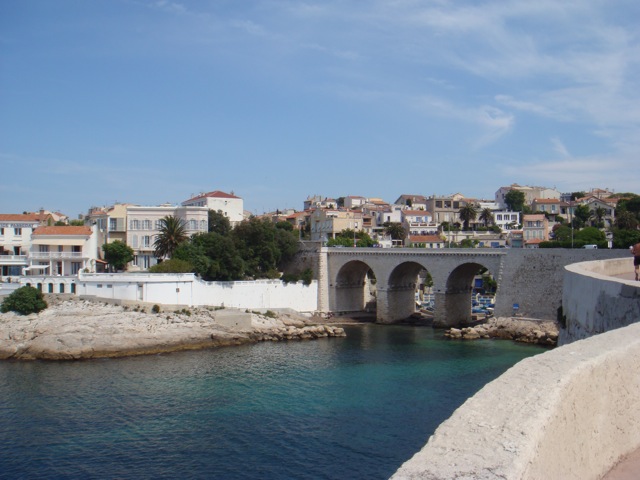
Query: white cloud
<point x="559" y="147"/>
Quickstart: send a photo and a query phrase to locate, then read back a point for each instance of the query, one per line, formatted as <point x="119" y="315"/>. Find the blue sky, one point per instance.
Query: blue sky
<point x="147" y="101"/>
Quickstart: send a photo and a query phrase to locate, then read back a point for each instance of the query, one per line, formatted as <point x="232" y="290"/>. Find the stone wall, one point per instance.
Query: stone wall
<point x="595" y="302"/>
<point x="533" y="278"/>
<point x="569" y="413"/>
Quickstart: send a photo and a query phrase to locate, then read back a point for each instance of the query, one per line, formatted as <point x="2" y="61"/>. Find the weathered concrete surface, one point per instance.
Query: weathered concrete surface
<point x="77" y="329"/>
<point x="569" y="413"/>
<point x="594" y="300"/>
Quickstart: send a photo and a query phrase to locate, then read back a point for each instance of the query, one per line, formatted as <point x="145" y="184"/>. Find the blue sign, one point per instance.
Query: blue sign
<point x="516" y="306"/>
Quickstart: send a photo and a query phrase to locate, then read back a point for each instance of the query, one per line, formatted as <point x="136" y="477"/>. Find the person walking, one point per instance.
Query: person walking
<point x="635" y="251"/>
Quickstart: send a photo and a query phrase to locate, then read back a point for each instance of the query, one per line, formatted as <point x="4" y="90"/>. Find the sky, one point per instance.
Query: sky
<point x="152" y="101"/>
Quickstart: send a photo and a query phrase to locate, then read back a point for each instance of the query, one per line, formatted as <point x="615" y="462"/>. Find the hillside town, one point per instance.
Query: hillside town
<point x="50" y="243"/>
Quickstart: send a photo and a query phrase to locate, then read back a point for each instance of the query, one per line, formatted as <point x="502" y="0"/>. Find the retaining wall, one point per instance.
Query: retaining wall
<point x="594" y="302"/>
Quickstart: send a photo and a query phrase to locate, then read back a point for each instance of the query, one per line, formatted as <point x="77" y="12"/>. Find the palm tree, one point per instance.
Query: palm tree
<point x="173" y="231"/>
<point x="395" y="230"/>
<point x="486" y="216"/>
<point x="468" y="214"/>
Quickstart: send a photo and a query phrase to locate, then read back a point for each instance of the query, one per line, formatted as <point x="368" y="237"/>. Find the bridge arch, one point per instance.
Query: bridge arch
<point x="354" y="288"/>
<point x="401" y="287"/>
<point x="454" y="305"/>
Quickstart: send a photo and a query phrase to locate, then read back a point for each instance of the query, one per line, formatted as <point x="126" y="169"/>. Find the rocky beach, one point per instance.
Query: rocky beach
<point x="540" y="332"/>
<point x="73" y="329"/>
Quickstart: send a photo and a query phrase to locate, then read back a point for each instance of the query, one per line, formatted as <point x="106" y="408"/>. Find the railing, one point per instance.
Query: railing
<point x="13" y="259"/>
<point x="56" y="255"/>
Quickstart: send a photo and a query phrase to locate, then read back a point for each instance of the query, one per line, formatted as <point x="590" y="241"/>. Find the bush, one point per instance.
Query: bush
<point x="155" y="309"/>
<point x="307" y="276"/>
<point x="173" y="265"/>
<point x="24" y="301"/>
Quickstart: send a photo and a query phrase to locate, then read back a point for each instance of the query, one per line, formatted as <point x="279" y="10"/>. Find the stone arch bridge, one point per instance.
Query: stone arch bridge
<point x="530" y="279"/>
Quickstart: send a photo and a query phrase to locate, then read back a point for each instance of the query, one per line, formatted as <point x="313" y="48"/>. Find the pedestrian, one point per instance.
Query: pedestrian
<point x="635" y="251"/>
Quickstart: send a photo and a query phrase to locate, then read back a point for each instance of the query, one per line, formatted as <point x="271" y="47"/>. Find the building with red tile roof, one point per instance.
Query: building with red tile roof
<point x="230" y="205"/>
<point x="63" y="250"/>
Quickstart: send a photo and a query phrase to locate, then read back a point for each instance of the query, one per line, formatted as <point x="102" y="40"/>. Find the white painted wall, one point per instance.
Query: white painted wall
<point x="186" y="289"/>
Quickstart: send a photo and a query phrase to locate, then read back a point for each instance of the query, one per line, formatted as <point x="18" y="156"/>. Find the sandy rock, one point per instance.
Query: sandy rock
<point x="76" y="329"/>
<point x="518" y="329"/>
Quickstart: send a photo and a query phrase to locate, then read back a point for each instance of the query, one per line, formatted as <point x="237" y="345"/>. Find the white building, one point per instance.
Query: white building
<point x="143" y="227"/>
<point x="15" y="241"/>
<point x="63" y="251"/>
<point x="231" y="206"/>
<point x="418" y="222"/>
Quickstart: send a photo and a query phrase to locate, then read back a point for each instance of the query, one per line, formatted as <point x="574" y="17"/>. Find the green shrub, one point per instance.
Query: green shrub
<point x="289" y="278"/>
<point x="270" y="314"/>
<point x="173" y="265"/>
<point x="155" y="309"/>
<point x="24" y="301"/>
<point x="307" y="276"/>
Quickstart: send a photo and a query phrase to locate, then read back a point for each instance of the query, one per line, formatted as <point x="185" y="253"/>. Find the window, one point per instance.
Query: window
<point x="43" y="248"/>
<point x="134" y="224"/>
<point x="193" y="224"/>
<point x="75" y="267"/>
<point x="134" y="241"/>
<point x="135" y="260"/>
<point x="438" y="203"/>
<point x="146" y="225"/>
<point x="17" y="232"/>
<point x="1" y="231"/>
<point x="60" y="248"/>
<point x="158" y="224"/>
<point x="76" y="248"/>
<point x="146" y="241"/>
<point x="113" y="224"/>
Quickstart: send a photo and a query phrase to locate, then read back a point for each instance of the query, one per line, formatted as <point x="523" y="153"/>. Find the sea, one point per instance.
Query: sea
<point x="335" y="408"/>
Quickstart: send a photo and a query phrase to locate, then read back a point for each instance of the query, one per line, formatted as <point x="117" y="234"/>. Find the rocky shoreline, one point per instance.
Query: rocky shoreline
<point x="539" y="332"/>
<point x="74" y="329"/>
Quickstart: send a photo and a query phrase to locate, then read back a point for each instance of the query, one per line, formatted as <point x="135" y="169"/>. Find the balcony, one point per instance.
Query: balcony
<point x="57" y="255"/>
<point x="9" y="260"/>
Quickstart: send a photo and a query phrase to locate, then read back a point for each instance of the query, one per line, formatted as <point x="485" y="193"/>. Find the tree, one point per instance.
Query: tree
<point x="590" y="235"/>
<point x="218" y="223"/>
<point x="576" y="195"/>
<point x="76" y="223"/>
<point x="468" y="214"/>
<point x="173" y="265"/>
<point x="514" y="200"/>
<point x="24" y="300"/>
<point x="214" y="257"/>
<point x="598" y="214"/>
<point x="581" y="215"/>
<point x="486" y="216"/>
<point x="263" y="247"/>
<point x="173" y="231"/>
<point x="117" y="254"/>
<point x="346" y="238"/>
<point x="625" y="220"/>
<point x="284" y="225"/>
<point x="395" y="230"/>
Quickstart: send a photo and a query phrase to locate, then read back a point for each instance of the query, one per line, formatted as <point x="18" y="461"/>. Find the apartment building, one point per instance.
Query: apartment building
<point x="15" y="241"/>
<point x="143" y="227"/>
<point x="535" y="229"/>
<point x="328" y="223"/>
<point x="62" y="250"/>
<point x="445" y="208"/>
<point x="229" y="204"/>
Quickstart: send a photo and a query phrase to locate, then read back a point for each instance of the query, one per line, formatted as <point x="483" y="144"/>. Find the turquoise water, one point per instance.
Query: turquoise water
<point x="338" y="408"/>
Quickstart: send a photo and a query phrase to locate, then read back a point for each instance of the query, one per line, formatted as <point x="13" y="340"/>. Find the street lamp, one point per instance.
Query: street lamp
<point x="354" y="234"/>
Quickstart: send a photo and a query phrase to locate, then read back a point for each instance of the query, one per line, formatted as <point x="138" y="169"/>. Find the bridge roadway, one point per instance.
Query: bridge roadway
<point x="528" y="278"/>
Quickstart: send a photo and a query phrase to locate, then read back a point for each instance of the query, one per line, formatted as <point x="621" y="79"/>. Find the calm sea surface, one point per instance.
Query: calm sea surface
<point x="340" y="408"/>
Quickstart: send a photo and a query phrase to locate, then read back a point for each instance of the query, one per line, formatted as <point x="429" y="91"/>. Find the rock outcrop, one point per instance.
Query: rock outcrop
<point x="77" y="329"/>
<point x="541" y="332"/>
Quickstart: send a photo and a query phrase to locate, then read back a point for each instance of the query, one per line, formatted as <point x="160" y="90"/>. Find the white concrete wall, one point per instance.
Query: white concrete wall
<point x="593" y="301"/>
<point x="186" y="289"/>
<point x="570" y="413"/>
